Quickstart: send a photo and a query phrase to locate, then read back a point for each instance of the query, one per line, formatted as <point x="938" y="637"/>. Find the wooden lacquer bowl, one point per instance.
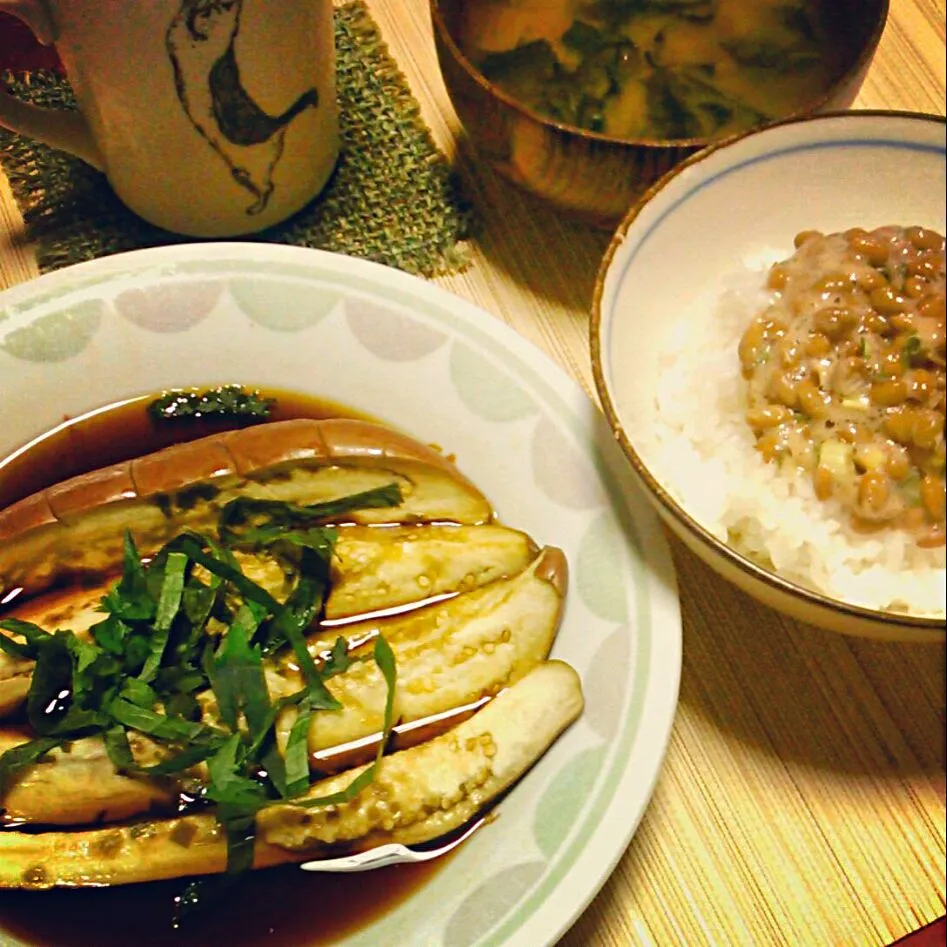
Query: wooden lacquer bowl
<point x="594" y="176"/>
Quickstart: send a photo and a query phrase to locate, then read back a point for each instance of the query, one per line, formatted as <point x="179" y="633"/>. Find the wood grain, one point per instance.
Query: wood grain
<point x="803" y="797"/>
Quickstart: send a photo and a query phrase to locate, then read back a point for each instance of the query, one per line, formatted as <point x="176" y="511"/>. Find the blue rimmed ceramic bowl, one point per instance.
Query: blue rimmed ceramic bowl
<point x="702" y="236"/>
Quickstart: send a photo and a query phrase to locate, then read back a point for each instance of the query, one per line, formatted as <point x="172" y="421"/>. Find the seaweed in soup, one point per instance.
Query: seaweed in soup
<point x="658" y="69"/>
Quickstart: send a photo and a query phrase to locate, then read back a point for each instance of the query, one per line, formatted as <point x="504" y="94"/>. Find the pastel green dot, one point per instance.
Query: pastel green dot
<point x="565" y="799"/>
<point x="282" y="307"/>
<point x="58" y="336"/>
<point x="485" y="389"/>
<point x="600" y="569"/>
<point x="488" y="903"/>
<point x="605" y="684"/>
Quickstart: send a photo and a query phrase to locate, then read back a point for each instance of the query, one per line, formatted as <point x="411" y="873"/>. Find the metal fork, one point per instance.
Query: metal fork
<point x="391" y="854"/>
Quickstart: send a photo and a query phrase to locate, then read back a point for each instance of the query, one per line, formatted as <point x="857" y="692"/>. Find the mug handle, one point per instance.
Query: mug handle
<point x="66" y="131"/>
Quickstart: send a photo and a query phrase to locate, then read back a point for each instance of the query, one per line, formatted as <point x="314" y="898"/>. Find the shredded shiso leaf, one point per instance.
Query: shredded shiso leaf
<point x="142" y="667"/>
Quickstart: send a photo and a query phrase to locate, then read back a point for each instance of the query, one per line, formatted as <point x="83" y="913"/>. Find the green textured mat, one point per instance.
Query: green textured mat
<point x="391" y="199"/>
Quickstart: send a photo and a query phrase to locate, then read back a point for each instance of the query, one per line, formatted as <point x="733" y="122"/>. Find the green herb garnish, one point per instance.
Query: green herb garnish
<point x="584" y="37"/>
<point x="762" y="52"/>
<point x="142" y="667"/>
<point x="227" y="402"/>
<point x="912" y="347"/>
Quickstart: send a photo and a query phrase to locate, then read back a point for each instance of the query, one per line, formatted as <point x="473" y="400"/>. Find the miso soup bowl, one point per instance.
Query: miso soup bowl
<point x="721" y="219"/>
<point x="593" y="176"/>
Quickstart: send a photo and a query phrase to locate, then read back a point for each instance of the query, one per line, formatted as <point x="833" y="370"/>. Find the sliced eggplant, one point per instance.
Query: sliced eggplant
<point x="417" y="795"/>
<point x="448" y="655"/>
<point x="76" y="527"/>
<point x="77" y="784"/>
<point x="373" y="569"/>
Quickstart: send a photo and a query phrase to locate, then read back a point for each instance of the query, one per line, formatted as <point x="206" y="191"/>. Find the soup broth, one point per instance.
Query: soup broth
<point x="654" y="69"/>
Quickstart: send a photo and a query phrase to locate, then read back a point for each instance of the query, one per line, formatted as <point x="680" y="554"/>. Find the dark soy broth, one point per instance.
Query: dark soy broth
<point x="125" y="430"/>
<point x="282" y="907"/>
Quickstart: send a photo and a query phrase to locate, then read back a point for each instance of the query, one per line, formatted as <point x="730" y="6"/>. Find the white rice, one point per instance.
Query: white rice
<point x="701" y="447"/>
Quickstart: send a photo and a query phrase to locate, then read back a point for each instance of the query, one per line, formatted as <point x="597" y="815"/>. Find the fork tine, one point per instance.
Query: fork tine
<point x="392" y="853"/>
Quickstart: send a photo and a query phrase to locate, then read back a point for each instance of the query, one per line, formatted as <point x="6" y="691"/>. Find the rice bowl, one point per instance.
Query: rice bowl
<point x="699" y="445"/>
<point x="682" y="279"/>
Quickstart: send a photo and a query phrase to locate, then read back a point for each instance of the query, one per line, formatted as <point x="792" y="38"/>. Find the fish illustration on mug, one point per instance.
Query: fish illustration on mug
<point x="201" y="41"/>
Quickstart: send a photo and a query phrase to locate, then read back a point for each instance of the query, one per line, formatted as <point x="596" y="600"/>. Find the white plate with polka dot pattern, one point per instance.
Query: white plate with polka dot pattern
<point x="412" y="355"/>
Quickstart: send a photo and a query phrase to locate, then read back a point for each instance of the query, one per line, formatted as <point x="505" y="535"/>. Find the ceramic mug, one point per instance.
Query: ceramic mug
<point x="210" y="118"/>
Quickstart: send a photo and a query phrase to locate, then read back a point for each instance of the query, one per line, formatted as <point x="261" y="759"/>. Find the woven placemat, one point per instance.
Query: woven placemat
<point x="392" y="197"/>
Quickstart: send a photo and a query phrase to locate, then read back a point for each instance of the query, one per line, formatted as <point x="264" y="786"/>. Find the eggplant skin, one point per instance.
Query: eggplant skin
<point x="418" y="795"/>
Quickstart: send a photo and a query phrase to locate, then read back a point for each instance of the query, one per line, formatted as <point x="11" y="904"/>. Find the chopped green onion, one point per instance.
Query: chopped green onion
<point x="912" y="347"/>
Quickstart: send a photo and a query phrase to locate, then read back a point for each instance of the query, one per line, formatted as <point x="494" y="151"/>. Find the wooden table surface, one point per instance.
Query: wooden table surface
<point x="802" y="801"/>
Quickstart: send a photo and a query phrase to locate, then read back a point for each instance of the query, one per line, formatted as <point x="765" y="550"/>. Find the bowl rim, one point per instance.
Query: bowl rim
<point x="865" y="55"/>
<point x="667" y="503"/>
